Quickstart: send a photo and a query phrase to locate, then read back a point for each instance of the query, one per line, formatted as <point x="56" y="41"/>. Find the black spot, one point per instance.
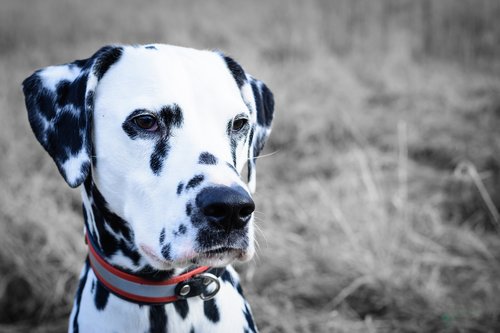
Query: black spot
<point x="159" y="153"/>
<point x="92" y="288"/>
<point x="106" y="57"/>
<point x="179" y="188"/>
<point x="239" y="289"/>
<point x="182" y="229"/>
<point x="226" y="277"/>
<point x="236" y="70"/>
<point x="165" y="251"/>
<point x="62" y="92"/>
<point x="101" y="296"/>
<point x="211" y="310"/>
<point x="189" y="209"/>
<point x="182" y="308"/>
<point x="207" y="158"/>
<point x="249" y="318"/>
<point x="157" y="319"/>
<point x="78" y="297"/>
<point x="192" y="330"/>
<point x="171" y="115"/>
<point x="195" y="181"/>
<point x="162" y="236"/>
<point x="65" y="139"/>
<point x="264" y="102"/>
<point x="150" y="47"/>
<point x="233" y="146"/>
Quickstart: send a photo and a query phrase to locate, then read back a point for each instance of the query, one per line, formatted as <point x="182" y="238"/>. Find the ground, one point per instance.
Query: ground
<point x="377" y="194"/>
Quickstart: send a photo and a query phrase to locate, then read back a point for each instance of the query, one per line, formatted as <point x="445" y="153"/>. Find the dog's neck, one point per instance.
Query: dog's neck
<point x="114" y="237"/>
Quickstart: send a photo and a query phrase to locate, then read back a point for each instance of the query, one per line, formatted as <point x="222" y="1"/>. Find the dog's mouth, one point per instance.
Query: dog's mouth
<point x="216" y="257"/>
<point x="219" y="256"/>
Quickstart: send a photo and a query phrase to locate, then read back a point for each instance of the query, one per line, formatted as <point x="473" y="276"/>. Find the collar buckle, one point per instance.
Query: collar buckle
<point x="204" y="285"/>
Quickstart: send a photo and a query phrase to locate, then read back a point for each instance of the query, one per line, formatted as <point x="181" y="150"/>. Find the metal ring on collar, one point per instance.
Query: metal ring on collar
<point x="208" y="279"/>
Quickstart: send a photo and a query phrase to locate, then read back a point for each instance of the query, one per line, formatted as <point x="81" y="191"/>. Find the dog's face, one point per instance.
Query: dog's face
<point x="165" y="133"/>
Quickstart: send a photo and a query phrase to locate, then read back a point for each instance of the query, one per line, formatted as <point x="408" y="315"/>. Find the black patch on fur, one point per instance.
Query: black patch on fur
<point x="151" y="47"/>
<point x="182" y="308"/>
<point x="236" y="70"/>
<point x="159" y="153"/>
<point x="226" y="277"/>
<point x="211" y="310"/>
<point x="157" y="319"/>
<point x="165" y="251"/>
<point x="78" y="297"/>
<point x="192" y="330"/>
<point x="162" y="236"/>
<point x="171" y="115"/>
<point x="233" y="146"/>
<point x="249" y="318"/>
<point x="107" y="56"/>
<point x="195" y="181"/>
<point x="182" y="229"/>
<point x="207" y="158"/>
<point x="180" y="187"/>
<point x="189" y="209"/>
<point x="101" y="296"/>
<point x="239" y="289"/>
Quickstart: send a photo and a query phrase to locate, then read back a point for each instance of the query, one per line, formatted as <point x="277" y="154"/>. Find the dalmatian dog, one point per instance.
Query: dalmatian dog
<point x="159" y="136"/>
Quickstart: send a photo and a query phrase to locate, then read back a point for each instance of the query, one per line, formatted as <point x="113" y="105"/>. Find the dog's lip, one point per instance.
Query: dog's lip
<point x="221" y="253"/>
<point x="212" y="256"/>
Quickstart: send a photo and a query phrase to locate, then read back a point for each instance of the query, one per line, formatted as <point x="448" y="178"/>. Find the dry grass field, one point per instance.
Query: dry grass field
<point x="378" y="193"/>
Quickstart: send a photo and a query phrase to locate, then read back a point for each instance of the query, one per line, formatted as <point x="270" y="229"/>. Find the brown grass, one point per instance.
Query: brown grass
<point x="365" y="223"/>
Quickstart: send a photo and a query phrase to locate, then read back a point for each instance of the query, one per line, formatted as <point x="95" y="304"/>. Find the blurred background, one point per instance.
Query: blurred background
<point x="378" y="192"/>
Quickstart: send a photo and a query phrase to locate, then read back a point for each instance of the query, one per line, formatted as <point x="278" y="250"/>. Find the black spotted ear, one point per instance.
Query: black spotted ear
<point x="60" y="101"/>
<point x="264" y="106"/>
<point x="260" y="102"/>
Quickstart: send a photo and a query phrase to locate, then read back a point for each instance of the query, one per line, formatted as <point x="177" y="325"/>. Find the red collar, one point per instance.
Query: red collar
<point x="202" y="281"/>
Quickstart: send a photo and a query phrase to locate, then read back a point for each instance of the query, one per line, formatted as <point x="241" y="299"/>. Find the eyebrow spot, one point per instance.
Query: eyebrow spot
<point x="207" y="158"/>
<point x="195" y="181"/>
<point x="180" y="187"/>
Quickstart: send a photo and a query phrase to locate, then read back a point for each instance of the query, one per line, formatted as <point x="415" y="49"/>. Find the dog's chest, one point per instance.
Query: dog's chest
<point x="99" y="311"/>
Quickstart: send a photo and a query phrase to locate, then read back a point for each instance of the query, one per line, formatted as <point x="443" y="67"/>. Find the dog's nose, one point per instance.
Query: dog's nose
<point x="226" y="207"/>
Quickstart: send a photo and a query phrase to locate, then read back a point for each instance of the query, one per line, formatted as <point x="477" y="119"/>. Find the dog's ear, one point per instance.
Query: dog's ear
<point x="260" y="101"/>
<point x="264" y="107"/>
<point x="60" y="101"/>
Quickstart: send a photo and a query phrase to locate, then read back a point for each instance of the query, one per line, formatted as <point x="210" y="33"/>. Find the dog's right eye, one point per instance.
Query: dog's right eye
<point x="146" y="122"/>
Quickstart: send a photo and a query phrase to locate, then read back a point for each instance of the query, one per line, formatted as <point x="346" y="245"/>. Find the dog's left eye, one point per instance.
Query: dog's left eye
<point x="238" y="124"/>
<point x="146" y="122"/>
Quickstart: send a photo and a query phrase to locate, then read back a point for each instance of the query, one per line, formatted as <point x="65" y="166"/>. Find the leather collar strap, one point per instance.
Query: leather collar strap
<point x="202" y="281"/>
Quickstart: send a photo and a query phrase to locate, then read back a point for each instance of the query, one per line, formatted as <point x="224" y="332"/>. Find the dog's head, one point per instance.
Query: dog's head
<point x="164" y="132"/>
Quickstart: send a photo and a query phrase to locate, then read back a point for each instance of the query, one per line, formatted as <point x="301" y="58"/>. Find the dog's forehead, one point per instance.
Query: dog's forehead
<point x="148" y="78"/>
